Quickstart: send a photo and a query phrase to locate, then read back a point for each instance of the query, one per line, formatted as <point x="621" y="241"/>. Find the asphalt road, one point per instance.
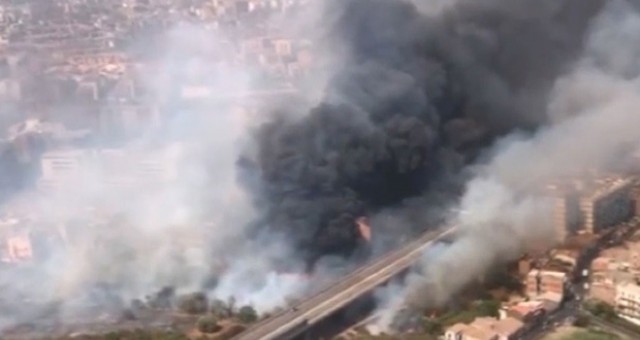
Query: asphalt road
<point x="343" y="292"/>
<point x="614" y="328"/>
<point x="570" y="309"/>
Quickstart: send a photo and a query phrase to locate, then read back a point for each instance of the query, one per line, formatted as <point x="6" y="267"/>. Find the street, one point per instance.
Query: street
<point x="613" y="328"/>
<point x="577" y="290"/>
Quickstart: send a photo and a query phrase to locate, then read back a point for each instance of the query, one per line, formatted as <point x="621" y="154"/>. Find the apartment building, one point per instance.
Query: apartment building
<point x="545" y="282"/>
<point x="604" y="291"/>
<point x="15" y="241"/>
<point x="110" y="167"/>
<point x="628" y="301"/>
<point x="19" y="247"/>
<point x="566" y="213"/>
<point x="609" y="203"/>
<point x="486" y="328"/>
<point x="591" y="203"/>
<point x="62" y="164"/>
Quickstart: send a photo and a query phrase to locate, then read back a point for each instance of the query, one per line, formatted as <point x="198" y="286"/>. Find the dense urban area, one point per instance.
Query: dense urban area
<point x="76" y="91"/>
<point x="81" y="86"/>
<point x="588" y="281"/>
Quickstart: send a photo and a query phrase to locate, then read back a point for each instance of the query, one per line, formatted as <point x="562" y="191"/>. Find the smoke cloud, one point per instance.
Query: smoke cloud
<point x="119" y="229"/>
<point x="403" y="96"/>
<point x="591" y="112"/>
<point x="414" y="97"/>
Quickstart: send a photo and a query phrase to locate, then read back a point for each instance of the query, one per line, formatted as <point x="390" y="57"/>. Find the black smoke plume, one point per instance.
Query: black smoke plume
<point x="415" y="99"/>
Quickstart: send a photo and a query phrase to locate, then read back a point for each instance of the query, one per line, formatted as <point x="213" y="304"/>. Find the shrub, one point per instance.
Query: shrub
<point x="581" y="321"/>
<point x="433" y="327"/>
<point x="488" y="308"/>
<point x="196" y="303"/>
<point x="208" y="324"/>
<point x="247" y="314"/>
<point x="219" y="308"/>
<point x="601" y="309"/>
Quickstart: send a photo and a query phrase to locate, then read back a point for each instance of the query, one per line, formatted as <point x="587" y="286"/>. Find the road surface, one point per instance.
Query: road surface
<point x="613" y="328"/>
<point x="571" y="308"/>
<point x="345" y="291"/>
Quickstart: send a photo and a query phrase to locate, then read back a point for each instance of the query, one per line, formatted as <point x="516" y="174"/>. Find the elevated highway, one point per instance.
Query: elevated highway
<point x="295" y="321"/>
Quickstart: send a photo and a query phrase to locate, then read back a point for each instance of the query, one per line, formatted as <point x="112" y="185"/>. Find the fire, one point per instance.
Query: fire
<point x="364" y="228"/>
<point x="18" y="248"/>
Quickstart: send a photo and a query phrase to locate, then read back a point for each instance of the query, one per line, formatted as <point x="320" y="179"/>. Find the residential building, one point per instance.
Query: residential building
<point x="19" y="247"/>
<point x="628" y="301"/>
<point x="591" y="203"/>
<point x="61" y="165"/>
<point x="531" y="313"/>
<point x="507" y="328"/>
<point x="524" y="266"/>
<point x="539" y="282"/>
<point x="16" y="242"/>
<point x="462" y="331"/>
<point x="550" y="300"/>
<point x="568" y="257"/>
<point x="608" y="204"/>
<point x="566" y="212"/>
<point x="601" y="263"/>
<point x="486" y="328"/>
<point x="525" y="311"/>
<point x="111" y="167"/>
<point x="604" y="292"/>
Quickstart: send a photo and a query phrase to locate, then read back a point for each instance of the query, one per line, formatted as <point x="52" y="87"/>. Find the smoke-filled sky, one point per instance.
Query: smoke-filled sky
<point x="406" y="100"/>
<point x="592" y="113"/>
<point x="412" y="98"/>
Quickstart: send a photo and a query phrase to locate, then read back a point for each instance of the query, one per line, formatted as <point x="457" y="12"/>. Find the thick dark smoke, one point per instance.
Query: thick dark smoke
<point x="414" y="100"/>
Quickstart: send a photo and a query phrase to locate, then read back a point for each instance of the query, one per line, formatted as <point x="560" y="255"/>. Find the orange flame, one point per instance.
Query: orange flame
<point x="364" y="228"/>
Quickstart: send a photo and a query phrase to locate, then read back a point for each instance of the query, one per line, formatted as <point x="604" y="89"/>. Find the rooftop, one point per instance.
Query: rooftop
<point x="479" y="333"/>
<point x="605" y="186"/>
<point x="64" y="153"/>
<point x="526" y="307"/>
<point x="628" y="287"/>
<point x="505" y="327"/>
<point x="550" y="296"/>
<point x="548" y="273"/>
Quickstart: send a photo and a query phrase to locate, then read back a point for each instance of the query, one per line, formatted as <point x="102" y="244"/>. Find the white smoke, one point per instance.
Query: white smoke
<point x="138" y="237"/>
<point x="595" y="114"/>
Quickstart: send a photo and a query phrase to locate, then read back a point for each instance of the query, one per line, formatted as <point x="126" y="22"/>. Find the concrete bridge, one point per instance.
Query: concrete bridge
<point x="295" y="322"/>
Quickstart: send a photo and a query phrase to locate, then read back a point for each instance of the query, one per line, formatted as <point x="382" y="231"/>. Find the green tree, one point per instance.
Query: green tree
<point x="219" y="308"/>
<point x="137" y="305"/>
<point x="231" y="306"/>
<point x="247" y="314"/>
<point x="581" y="321"/>
<point x="208" y="324"/>
<point x="433" y="327"/>
<point x="128" y="315"/>
<point x="195" y="303"/>
<point x="162" y="299"/>
<point x="488" y="308"/>
<point x="602" y="310"/>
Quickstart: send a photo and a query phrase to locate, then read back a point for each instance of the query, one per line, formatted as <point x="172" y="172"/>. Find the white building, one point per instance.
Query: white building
<point x="486" y="328"/>
<point x="628" y="301"/>
<point x="63" y="164"/>
<point x="109" y="167"/>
